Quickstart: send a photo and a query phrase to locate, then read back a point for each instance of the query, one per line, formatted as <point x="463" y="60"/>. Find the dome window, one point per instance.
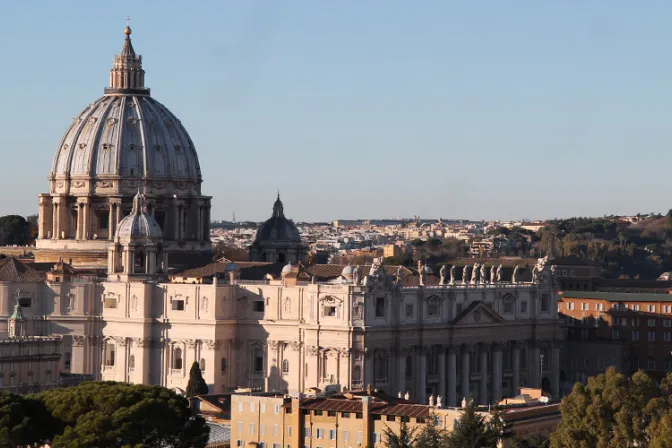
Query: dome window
<point x="177" y="148"/>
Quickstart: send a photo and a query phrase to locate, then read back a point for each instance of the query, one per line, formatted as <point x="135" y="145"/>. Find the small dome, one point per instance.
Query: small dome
<point x="139" y="225"/>
<point x="288" y="268"/>
<point x="347" y="271"/>
<point x="278" y="228"/>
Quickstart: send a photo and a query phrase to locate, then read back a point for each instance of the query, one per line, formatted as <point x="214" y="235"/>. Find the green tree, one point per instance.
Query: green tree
<point x="405" y="438"/>
<point x="98" y="414"/>
<point x="196" y="384"/>
<point x="472" y="430"/>
<point x="529" y="442"/>
<point x="613" y="410"/>
<point x="14" y="229"/>
<point x="431" y="434"/>
<point x="23" y="421"/>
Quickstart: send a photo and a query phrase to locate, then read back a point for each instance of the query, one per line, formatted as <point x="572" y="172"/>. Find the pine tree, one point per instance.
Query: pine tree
<point x="405" y="438"/>
<point x="473" y="431"/>
<point x="196" y="385"/>
<point x="432" y="435"/>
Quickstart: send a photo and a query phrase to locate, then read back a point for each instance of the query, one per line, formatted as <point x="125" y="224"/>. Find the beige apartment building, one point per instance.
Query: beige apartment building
<point x="355" y="419"/>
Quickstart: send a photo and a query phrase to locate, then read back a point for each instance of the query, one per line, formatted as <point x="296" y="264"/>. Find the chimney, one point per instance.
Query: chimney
<point x="366" y="420"/>
<point x="297" y="421"/>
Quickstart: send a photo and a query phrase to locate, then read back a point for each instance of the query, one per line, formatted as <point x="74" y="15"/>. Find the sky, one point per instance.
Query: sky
<point x="474" y="109"/>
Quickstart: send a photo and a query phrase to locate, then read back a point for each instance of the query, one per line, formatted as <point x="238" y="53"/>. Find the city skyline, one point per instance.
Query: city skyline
<point x="475" y="111"/>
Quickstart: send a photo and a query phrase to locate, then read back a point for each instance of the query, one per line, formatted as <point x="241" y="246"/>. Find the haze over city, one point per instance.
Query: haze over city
<point x="472" y="110"/>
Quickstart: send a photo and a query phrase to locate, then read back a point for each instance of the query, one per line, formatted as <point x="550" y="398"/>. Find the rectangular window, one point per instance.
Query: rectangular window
<point x="652" y="336"/>
<point x="346" y="436"/>
<point x="262" y="408"/>
<point x="240" y="443"/>
<point x="306" y="431"/>
<point x="409" y="310"/>
<point x="635" y="307"/>
<point x="635" y="321"/>
<point x="359" y="437"/>
<point x="110" y="302"/>
<point x="25" y="302"/>
<point x="277" y="409"/>
<point x="652" y="363"/>
<point x="376" y="437"/>
<point x="668" y="308"/>
<point x="251" y="407"/>
<point x="667" y="323"/>
<point x="635" y="335"/>
<point x="544" y="303"/>
<point x="523" y="306"/>
<point x="276" y="430"/>
<point x="178" y="305"/>
<point x="329" y="311"/>
<point x="651" y="322"/>
<point x="432" y="310"/>
<point x="615" y="335"/>
<point x="258" y="306"/>
<point x="599" y="307"/>
<point x="320" y="433"/>
<point x="584" y="306"/>
<point x="262" y="429"/>
<point x="252" y="429"/>
<point x="332" y="434"/>
<point x="289" y="431"/>
<point x="570" y="306"/>
<point x="652" y="308"/>
<point x="508" y="306"/>
<point x="380" y="306"/>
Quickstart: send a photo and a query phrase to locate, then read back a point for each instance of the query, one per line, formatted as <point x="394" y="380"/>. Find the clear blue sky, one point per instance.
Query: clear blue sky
<point x="378" y="108"/>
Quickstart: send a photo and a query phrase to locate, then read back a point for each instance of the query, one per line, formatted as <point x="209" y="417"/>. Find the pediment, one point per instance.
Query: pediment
<point x="477" y="314"/>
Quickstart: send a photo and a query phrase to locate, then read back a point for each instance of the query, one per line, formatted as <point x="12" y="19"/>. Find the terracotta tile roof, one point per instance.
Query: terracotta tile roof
<point x="381" y="404"/>
<point x="249" y="270"/>
<point x="14" y="270"/>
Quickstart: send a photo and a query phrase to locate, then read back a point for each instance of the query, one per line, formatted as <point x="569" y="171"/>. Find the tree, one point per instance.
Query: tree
<point x="23" y="421"/>
<point x="97" y="414"/>
<point x="405" y="438"/>
<point x="196" y="384"/>
<point x="614" y="410"/>
<point x="14" y="230"/>
<point x="473" y="431"/>
<point x="432" y="435"/>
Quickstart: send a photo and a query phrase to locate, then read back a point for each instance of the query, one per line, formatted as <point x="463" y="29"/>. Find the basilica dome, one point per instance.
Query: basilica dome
<point x="126" y="135"/>
<point x="124" y="142"/>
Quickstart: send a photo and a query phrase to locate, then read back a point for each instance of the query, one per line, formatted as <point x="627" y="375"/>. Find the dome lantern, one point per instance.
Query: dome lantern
<point x="127" y="75"/>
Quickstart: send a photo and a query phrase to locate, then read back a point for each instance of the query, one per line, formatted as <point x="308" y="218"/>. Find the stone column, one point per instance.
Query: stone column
<point x="86" y="234"/>
<point x="54" y="219"/>
<point x="483" y="364"/>
<point x="401" y="372"/>
<point x="534" y="369"/>
<point x="496" y="386"/>
<point x="515" y="383"/>
<point x="110" y="223"/>
<point x="199" y="221"/>
<point x="422" y="376"/>
<point x="452" y="377"/>
<point x="464" y="375"/>
<point x="78" y="230"/>
<point x="442" y="372"/>
<point x="117" y="213"/>
<point x="555" y="371"/>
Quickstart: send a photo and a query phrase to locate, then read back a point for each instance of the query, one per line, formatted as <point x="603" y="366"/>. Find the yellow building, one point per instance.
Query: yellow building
<point x="352" y="419"/>
<point x="391" y="250"/>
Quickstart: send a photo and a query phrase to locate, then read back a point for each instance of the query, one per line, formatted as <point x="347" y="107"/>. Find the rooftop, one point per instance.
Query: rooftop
<point x="617" y="296"/>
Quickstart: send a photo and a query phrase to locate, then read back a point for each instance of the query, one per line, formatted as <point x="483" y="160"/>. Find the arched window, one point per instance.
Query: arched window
<point x="131" y="362"/>
<point x="139" y="262"/>
<point x="285" y="366"/>
<point x="201" y="364"/>
<point x="177" y="358"/>
<point x="110" y="353"/>
<point x="357" y="373"/>
<point x="223" y="365"/>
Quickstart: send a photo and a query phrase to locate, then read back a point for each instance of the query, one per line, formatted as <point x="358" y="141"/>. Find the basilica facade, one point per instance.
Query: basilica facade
<point x="125" y="215"/>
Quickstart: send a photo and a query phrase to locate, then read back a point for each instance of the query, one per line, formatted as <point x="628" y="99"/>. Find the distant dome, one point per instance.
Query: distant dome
<point x="278" y="228"/>
<point x="347" y="271"/>
<point x="288" y="268"/>
<point x="139" y="224"/>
